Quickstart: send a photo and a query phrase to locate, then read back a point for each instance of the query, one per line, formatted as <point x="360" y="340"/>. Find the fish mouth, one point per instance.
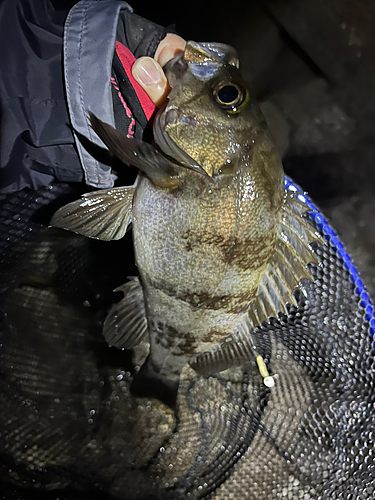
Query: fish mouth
<point x="167" y="115"/>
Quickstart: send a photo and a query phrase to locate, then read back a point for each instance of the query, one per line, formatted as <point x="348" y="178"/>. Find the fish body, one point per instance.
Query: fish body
<point x="220" y="245"/>
<point x="201" y="258"/>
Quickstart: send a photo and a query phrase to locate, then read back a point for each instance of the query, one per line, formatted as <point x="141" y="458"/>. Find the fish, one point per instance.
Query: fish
<point x="220" y="244"/>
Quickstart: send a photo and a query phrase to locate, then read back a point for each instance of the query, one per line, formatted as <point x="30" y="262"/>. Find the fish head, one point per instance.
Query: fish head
<point x="211" y="122"/>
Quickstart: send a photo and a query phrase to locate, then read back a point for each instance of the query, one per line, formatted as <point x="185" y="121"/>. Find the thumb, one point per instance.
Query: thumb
<point x="149" y="74"/>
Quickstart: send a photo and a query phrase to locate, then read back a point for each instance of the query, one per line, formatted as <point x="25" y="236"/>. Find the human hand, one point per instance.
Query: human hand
<point x="148" y="72"/>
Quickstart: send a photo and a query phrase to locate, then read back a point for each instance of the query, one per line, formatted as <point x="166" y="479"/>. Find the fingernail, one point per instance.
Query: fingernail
<point x="146" y="71"/>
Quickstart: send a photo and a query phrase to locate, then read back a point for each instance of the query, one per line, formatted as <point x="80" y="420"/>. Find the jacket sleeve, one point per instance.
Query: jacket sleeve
<point x="59" y="65"/>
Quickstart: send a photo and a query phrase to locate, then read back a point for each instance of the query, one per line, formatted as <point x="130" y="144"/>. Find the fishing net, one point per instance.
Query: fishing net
<point x="68" y="420"/>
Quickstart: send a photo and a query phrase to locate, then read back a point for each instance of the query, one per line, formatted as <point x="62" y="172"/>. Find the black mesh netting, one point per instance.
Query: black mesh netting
<point x="67" y="418"/>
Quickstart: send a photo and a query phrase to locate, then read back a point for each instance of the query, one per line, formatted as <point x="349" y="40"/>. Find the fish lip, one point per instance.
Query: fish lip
<point x="168" y="114"/>
<point x="167" y="146"/>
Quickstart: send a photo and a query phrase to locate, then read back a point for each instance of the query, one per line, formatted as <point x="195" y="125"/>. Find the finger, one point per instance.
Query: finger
<point x="169" y="47"/>
<point x="149" y="74"/>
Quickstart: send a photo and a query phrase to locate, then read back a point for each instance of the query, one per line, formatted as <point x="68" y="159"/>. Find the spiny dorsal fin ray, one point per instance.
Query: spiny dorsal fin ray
<point x="225" y="356"/>
<point x="104" y="214"/>
<point x="290" y="272"/>
<point x="126" y="323"/>
<point x="299" y="226"/>
<point x="286" y="276"/>
<point x="297" y="248"/>
<point x="278" y="288"/>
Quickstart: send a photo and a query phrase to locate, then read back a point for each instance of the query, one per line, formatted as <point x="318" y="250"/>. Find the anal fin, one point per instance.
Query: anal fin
<point x="126" y="323"/>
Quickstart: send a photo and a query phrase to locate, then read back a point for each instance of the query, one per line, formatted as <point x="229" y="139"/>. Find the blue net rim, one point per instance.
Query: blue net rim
<point x="364" y="300"/>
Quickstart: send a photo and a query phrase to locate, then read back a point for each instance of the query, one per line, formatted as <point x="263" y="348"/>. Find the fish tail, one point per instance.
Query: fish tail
<point x="151" y="382"/>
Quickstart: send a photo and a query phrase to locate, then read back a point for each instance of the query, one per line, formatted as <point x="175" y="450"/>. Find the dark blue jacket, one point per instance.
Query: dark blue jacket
<point x="56" y="64"/>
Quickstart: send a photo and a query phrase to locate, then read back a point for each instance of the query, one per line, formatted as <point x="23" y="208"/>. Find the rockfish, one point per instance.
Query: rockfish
<point x="219" y="243"/>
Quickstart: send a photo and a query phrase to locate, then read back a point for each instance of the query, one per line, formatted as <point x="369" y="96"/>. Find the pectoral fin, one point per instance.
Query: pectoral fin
<point x="126" y="324"/>
<point x="138" y="153"/>
<point x="104" y="215"/>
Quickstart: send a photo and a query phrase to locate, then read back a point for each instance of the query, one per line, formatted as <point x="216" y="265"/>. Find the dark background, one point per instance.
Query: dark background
<point x="312" y="65"/>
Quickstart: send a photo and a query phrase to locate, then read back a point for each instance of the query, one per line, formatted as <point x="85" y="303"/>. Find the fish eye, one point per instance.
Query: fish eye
<point x="229" y="96"/>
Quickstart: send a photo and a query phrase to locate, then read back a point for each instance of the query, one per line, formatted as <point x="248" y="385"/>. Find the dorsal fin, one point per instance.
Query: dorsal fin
<point x="288" y="265"/>
<point x="103" y="215"/>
